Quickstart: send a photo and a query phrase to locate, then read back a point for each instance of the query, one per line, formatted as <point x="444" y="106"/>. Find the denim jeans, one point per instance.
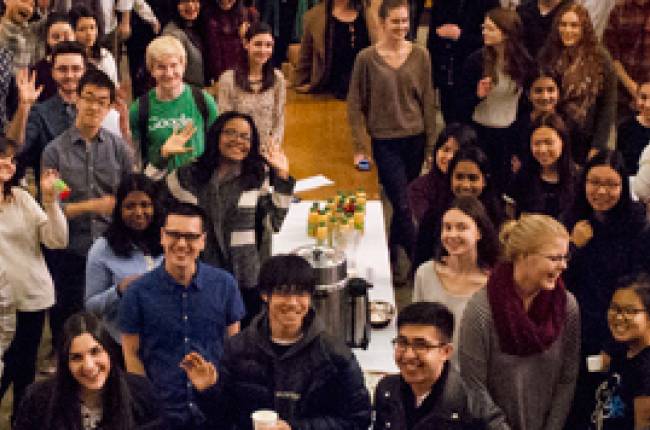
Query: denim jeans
<point x="399" y="161"/>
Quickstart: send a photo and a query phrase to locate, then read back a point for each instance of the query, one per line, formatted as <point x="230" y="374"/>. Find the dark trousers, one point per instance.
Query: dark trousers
<point x="499" y="144"/>
<point x="447" y="102"/>
<point x="399" y="161"/>
<point x="68" y="271"/>
<point x="287" y="18"/>
<point x="20" y="357"/>
<point x="136" y="46"/>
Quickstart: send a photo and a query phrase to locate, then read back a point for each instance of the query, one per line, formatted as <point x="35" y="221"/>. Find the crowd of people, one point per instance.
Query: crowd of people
<point x="142" y="233"/>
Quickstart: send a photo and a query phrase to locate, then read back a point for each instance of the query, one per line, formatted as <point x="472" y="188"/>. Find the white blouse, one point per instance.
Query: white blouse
<point x="24" y="226"/>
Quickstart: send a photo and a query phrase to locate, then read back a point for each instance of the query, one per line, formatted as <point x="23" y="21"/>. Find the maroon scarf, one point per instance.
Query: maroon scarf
<point x="522" y="333"/>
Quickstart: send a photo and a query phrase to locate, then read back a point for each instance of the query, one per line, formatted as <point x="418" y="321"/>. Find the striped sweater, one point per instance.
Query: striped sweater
<point x="236" y="218"/>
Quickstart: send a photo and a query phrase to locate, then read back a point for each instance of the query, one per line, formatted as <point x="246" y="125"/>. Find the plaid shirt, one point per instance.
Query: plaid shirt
<point x="24" y="41"/>
<point x="6" y="75"/>
<point x="628" y="38"/>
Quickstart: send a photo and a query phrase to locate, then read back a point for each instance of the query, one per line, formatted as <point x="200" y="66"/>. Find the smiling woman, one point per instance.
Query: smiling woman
<point x="232" y="182"/>
<point x="546" y="182"/>
<point x="611" y="238"/>
<point x="588" y="84"/>
<point x="87" y="32"/>
<point x="89" y="391"/>
<point x="531" y="324"/>
<point x="129" y="248"/>
<point x="628" y="377"/>
<point x="463" y="255"/>
<point x="24" y="226"/>
<point x="256" y="88"/>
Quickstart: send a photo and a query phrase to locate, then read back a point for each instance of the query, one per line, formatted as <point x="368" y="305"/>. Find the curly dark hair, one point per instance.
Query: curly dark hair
<point x="253" y="166"/>
<point x="518" y="62"/>
<point x="123" y="240"/>
<point x="554" y="47"/>
<point x="579" y="85"/>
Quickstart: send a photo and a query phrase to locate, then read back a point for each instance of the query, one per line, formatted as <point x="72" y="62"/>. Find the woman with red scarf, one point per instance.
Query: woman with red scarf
<point x="520" y="336"/>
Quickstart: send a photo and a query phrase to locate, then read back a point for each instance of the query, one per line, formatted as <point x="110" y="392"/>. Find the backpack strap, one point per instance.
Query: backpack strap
<point x="143" y="119"/>
<point x="199" y="100"/>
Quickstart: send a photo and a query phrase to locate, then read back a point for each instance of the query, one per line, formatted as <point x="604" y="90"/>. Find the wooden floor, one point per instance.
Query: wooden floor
<point x="318" y="141"/>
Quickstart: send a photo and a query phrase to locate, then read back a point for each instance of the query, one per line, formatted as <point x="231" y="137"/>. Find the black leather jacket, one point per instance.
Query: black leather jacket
<point x="456" y="408"/>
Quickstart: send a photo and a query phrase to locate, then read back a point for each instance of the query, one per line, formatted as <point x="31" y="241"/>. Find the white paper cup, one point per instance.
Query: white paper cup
<point x="595" y="363"/>
<point x="264" y="419"/>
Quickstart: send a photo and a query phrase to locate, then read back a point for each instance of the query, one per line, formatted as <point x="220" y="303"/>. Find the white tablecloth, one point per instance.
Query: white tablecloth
<point x="373" y="264"/>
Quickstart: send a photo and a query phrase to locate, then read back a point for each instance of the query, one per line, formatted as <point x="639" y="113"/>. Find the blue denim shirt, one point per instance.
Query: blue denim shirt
<point x="171" y="321"/>
<point x="104" y="271"/>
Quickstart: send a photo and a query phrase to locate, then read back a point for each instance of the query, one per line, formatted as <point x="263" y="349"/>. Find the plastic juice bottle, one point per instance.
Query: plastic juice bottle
<point x="331" y="204"/>
<point x="312" y="220"/>
<point x="323" y="216"/>
<point x="321" y="233"/>
<point x="359" y="218"/>
<point x="361" y="197"/>
<point x="331" y="230"/>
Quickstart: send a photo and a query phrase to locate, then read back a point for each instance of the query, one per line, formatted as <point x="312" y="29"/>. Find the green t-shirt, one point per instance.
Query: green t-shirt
<point x="163" y="116"/>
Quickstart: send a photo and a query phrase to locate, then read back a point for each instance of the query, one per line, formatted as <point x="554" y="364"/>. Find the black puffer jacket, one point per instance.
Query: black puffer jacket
<point x="456" y="408"/>
<point x="316" y="384"/>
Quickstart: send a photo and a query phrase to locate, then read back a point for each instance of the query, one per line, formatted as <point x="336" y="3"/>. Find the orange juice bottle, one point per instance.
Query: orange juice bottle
<point x="323" y="216"/>
<point x="359" y="218"/>
<point x="331" y="204"/>
<point x="331" y="230"/>
<point x="312" y="220"/>
<point x="321" y="233"/>
<point x="361" y="197"/>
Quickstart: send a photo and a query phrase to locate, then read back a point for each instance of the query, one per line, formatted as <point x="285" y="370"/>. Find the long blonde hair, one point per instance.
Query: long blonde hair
<point x="528" y="234"/>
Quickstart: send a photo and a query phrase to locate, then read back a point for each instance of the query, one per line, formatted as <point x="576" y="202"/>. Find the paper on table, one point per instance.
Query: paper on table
<point x="311" y="183"/>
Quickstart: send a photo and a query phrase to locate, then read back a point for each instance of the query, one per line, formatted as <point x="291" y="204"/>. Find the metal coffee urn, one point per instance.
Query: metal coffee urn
<point x="330" y="271"/>
<point x="357" y="313"/>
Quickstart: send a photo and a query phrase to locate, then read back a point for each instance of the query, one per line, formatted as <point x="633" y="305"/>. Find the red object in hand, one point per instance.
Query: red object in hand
<point x="62" y="188"/>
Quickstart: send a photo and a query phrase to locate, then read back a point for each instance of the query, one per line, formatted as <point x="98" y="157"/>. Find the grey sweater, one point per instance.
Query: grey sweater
<point x="534" y="392"/>
<point x="388" y="102"/>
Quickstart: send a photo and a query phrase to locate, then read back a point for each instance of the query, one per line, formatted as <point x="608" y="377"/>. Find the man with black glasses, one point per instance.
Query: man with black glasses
<point x="429" y="393"/>
<point x="180" y="307"/>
